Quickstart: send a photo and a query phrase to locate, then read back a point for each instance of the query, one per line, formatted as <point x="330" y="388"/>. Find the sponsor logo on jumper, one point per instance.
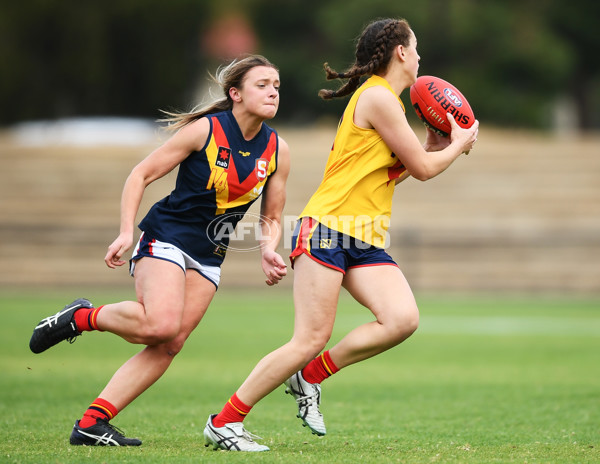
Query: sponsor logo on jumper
<point x="223" y="157"/>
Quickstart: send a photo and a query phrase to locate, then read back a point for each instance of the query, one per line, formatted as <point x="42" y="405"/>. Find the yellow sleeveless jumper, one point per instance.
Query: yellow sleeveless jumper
<point x="355" y="195"/>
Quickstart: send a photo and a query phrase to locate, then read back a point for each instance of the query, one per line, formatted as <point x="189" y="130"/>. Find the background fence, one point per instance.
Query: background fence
<point x="521" y="213"/>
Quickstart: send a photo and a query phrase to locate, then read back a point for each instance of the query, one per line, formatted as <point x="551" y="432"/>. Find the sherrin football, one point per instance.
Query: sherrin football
<point x="433" y="97"/>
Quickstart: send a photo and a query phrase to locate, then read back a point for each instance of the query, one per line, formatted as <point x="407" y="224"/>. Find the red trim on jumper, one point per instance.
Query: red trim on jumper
<point x="243" y="187"/>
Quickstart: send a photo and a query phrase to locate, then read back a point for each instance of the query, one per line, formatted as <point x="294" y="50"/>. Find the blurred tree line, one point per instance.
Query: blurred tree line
<point x="521" y="63"/>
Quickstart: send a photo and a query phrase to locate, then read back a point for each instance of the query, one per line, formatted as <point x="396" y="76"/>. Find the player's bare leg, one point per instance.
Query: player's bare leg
<point x="316" y="292"/>
<point x="386" y="293"/>
<point x="157" y="315"/>
<point x="146" y="367"/>
<point x="384" y="290"/>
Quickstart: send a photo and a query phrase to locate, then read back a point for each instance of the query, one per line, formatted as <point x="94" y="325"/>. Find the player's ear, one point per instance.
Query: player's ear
<point x="400" y="52"/>
<point x="235" y="94"/>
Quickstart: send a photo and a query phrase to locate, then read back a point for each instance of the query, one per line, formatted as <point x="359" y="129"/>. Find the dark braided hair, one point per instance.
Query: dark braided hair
<point x="374" y="50"/>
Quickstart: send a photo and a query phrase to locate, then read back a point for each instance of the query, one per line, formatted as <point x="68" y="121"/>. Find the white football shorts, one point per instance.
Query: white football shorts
<point x="149" y="247"/>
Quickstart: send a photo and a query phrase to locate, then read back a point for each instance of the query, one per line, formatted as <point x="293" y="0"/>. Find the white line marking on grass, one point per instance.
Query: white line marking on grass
<point x="477" y="325"/>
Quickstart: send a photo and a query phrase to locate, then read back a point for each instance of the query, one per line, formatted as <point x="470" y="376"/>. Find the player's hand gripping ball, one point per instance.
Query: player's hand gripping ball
<point x="433" y="97"/>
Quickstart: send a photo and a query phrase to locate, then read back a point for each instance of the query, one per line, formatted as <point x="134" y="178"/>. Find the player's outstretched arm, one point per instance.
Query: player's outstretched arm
<point x="156" y="165"/>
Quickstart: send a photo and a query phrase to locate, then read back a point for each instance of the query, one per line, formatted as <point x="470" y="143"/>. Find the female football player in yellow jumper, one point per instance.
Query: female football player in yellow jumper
<point x="341" y="234"/>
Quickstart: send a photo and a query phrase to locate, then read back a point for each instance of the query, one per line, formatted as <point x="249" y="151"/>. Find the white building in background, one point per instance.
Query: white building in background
<point x="92" y="131"/>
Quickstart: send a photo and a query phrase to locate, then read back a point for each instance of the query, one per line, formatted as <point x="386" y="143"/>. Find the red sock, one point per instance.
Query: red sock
<point x="233" y="411"/>
<point x="99" y="409"/>
<point x="85" y="319"/>
<point x="319" y="368"/>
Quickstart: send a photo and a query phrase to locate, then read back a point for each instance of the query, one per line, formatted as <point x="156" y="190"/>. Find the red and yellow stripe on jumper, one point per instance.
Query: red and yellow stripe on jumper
<point x="226" y="179"/>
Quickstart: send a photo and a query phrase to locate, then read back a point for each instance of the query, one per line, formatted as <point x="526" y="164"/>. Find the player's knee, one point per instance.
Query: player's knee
<point x="174" y="347"/>
<point x="412" y="323"/>
<point x="405" y="323"/>
<point x="157" y="334"/>
<point x="310" y="346"/>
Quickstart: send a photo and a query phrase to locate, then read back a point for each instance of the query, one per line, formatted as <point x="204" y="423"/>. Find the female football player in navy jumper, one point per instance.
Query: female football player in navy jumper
<point x="227" y="158"/>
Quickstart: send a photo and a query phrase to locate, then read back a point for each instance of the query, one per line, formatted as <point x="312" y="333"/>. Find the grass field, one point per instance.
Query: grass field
<point x="482" y="380"/>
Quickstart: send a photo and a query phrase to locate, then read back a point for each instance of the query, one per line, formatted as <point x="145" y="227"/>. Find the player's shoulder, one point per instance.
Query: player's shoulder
<point x="196" y="133"/>
<point x="374" y="103"/>
<point x="202" y="124"/>
<point x="283" y="145"/>
<point x="379" y="95"/>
